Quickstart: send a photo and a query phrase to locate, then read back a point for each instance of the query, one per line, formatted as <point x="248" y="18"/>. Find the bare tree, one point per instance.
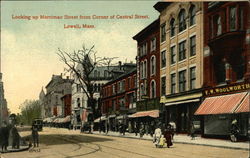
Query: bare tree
<point x="81" y="64"/>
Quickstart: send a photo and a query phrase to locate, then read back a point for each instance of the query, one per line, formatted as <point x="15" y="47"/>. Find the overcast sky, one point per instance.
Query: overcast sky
<point x="28" y="47"/>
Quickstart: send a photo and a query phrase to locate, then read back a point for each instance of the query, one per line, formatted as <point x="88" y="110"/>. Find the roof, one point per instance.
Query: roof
<point x="150" y="28"/>
<point x="160" y="6"/>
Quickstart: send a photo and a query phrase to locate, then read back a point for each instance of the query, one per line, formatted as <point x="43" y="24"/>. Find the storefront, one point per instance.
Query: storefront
<point x="180" y="110"/>
<point x="220" y="111"/>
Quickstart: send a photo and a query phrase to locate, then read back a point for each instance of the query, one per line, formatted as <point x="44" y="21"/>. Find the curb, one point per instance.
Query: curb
<point x="179" y="142"/>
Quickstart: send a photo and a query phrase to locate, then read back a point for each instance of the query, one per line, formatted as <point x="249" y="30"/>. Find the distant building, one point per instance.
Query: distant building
<point x="3" y="104"/>
<point x="99" y="76"/>
<point x="118" y="97"/>
<point x="58" y="90"/>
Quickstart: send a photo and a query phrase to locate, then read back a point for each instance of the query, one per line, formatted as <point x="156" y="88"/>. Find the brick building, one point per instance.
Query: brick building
<point x="148" y="72"/>
<point x="226" y="67"/>
<point x="118" y="97"/>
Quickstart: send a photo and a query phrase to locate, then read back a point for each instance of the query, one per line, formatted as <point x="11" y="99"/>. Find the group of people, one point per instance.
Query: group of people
<point x="163" y="135"/>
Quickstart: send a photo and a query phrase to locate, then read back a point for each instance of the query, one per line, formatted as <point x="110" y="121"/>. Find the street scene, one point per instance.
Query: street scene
<point x="165" y="79"/>
<point x="62" y="143"/>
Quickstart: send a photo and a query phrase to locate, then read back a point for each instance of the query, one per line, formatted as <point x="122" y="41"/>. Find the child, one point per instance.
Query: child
<point x="162" y="141"/>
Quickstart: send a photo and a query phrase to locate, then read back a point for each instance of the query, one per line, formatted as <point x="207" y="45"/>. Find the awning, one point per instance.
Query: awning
<point x="102" y="118"/>
<point x="225" y="104"/>
<point x="121" y="117"/>
<point x="244" y="105"/>
<point x="165" y="100"/>
<point x="67" y="119"/>
<point x="151" y="113"/>
<point x="182" y="102"/>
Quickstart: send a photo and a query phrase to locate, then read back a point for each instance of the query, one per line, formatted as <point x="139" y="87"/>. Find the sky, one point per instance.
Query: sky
<point x="28" y="47"/>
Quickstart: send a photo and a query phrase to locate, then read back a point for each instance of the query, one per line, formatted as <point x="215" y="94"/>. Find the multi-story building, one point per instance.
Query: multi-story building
<point x="148" y="72"/>
<point x="181" y="60"/>
<point x="99" y="76"/>
<point x="56" y="90"/>
<point x="226" y="67"/>
<point x="3" y="104"/>
<point x="118" y="97"/>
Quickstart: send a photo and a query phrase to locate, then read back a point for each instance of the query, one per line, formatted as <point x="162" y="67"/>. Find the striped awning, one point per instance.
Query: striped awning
<point x="225" y="104"/>
<point x="151" y="113"/>
<point x="244" y="105"/>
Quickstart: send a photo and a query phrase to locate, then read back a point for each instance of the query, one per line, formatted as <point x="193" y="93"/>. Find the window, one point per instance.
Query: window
<point x="142" y="90"/>
<point x="173" y="83"/>
<point x="173" y="55"/>
<point x="163" y="32"/>
<point x="135" y="82"/>
<point x="172" y="27"/>
<point x="145" y="68"/>
<point x="95" y="73"/>
<point x="152" y="65"/>
<point x="163" y="86"/>
<point x="192" y="46"/>
<point x="106" y="73"/>
<point x="163" y="59"/>
<point x="182" y="51"/>
<point x="153" y="44"/>
<point x="182" y="20"/>
<point x="141" y="70"/>
<point x="182" y="81"/>
<point x="78" y="88"/>
<point x="192" y="15"/>
<point x="232" y="18"/>
<point x="129" y="83"/>
<point x="113" y="88"/>
<point x="220" y="71"/>
<point x="153" y="89"/>
<point x="192" y="78"/>
<point x="144" y="49"/>
<point x="217" y="25"/>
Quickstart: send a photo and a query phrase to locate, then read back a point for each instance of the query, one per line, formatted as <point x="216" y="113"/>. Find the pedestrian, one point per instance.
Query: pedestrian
<point x="157" y="136"/>
<point x="234" y="133"/>
<point x="4" y="136"/>
<point x="192" y="131"/>
<point x="142" y="130"/>
<point x="35" y="136"/>
<point x="168" y="135"/>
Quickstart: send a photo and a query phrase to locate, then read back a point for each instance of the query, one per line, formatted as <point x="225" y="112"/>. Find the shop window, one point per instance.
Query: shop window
<point x="182" y="20"/>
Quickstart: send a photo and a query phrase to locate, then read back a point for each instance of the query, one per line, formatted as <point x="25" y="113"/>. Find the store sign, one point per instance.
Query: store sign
<point x="227" y="89"/>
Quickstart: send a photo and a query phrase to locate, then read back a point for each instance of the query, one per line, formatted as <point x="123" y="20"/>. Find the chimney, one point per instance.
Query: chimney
<point x="120" y="65"/>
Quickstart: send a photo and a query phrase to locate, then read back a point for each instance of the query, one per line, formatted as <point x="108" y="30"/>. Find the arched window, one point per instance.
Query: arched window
<point x="152" y="65"/>
<point x="182" y="20"/>
<point x="192" y="15"/>
<point x="145" y="69"/>
<point x="172" y="27"/>
<point x="153" y="89"/>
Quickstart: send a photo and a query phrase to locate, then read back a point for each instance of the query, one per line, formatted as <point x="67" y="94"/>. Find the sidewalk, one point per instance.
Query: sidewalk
<point x="184" y="139"/>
